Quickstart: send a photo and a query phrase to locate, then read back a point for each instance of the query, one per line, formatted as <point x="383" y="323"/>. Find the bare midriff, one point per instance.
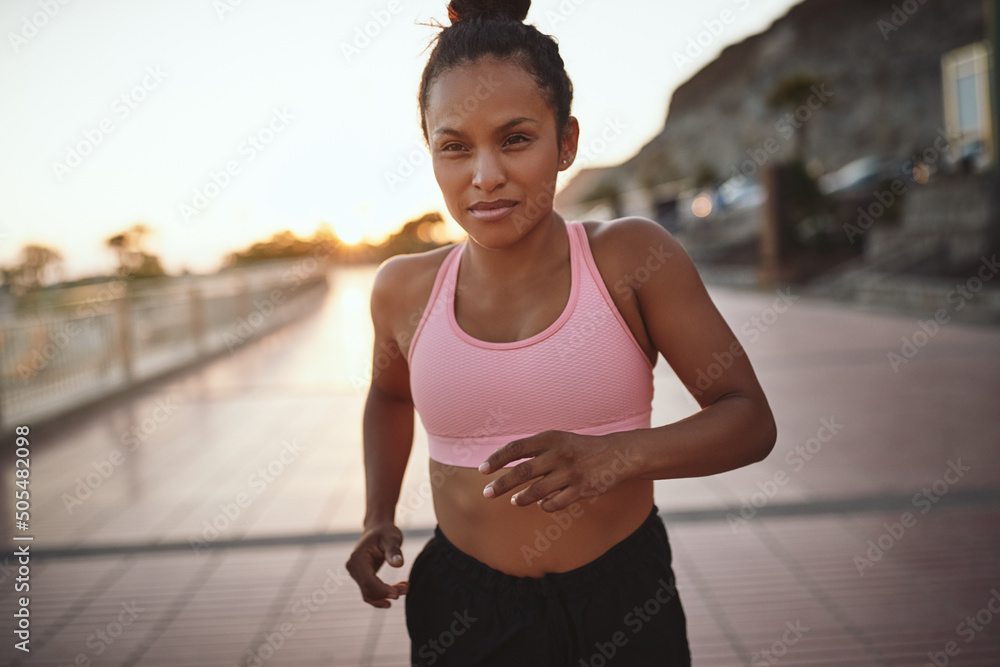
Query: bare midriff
<point x="528" y="541"/>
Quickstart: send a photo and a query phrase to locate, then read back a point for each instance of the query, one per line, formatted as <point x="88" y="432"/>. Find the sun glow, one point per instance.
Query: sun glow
<point x="350" y="231"/>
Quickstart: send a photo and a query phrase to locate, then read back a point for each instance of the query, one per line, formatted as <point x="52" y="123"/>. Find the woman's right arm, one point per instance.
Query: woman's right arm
<point x="388" y="439"/>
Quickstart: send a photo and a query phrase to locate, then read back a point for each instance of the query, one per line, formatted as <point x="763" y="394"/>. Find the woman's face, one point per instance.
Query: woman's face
<point x="495" y="150"/>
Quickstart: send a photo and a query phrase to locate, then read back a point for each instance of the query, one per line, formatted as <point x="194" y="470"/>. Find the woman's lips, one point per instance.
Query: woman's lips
<point x="491" y="211"/>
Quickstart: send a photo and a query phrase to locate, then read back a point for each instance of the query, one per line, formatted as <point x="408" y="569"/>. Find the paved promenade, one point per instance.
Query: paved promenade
<point x="206" y="519"/>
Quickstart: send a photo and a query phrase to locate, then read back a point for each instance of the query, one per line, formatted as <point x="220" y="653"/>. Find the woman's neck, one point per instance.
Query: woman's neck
<point x="542" y="250"/>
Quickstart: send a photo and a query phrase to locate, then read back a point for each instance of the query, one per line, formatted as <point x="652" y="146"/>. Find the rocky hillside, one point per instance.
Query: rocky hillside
<point x="882" y="83"/>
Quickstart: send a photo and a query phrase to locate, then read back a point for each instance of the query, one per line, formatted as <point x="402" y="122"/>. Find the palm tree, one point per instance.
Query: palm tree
<point x="792" y="93"/>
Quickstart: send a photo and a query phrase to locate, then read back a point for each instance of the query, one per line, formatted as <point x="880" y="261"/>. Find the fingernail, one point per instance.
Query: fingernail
<point x="484" y="466"/>
<point x="488" y="491"/>
<point x="513" y="500"/>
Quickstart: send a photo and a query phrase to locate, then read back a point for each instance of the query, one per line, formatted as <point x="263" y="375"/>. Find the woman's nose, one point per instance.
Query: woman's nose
<point x="489" y="171"/>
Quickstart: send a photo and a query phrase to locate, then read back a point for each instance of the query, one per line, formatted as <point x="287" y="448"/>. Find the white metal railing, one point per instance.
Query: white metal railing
<point x="125" y="333"/>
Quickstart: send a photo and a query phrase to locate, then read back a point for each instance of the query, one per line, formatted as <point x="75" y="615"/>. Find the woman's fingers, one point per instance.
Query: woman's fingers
<point x="367" y="558"/>
<point x="518" y="475"/>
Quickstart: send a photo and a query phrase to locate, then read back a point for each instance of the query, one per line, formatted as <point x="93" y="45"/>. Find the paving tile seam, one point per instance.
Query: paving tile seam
<point x="171" y="518"/>
<point x="800" y="573"/>
<point x="843" y="509"/>
<point x="84" y="600"/>
<point x="177" y="605"/>
<point x="184" y="509"/>
<point x="279" y="602"/>
<point x="715" y="609"/>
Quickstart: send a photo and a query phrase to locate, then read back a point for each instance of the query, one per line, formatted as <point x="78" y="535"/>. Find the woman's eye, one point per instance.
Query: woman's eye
<point x="451" y="147"/>
<point x="517" y="139"/>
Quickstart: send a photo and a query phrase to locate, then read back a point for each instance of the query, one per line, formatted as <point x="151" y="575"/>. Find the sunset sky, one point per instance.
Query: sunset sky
<point x="220" y="122"/>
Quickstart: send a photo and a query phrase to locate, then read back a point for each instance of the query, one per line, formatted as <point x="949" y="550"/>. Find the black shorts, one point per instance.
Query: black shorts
<point x="622" y="608"/>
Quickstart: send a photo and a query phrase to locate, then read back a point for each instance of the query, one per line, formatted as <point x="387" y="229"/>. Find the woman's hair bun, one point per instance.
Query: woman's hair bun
<point x="512" y="10"/>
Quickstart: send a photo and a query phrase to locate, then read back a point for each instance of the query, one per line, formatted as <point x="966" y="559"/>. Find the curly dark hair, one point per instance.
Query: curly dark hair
<point x="481" y="28"/>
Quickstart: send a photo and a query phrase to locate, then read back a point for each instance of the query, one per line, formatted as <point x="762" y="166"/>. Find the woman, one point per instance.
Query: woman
<point x="528" y="352"/>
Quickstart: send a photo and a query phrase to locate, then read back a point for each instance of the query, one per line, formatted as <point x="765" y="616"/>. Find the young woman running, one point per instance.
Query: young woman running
<point x="528" y="352"/>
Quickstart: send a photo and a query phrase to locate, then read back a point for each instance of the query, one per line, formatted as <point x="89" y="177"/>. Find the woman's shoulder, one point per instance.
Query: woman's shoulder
<point x="401" y="270"/>
<point x="631" y="241"/>
<point x="404" y="282"/>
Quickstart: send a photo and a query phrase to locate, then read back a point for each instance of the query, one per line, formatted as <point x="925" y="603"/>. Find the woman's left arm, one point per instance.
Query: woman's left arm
<point x="734" y="428"/>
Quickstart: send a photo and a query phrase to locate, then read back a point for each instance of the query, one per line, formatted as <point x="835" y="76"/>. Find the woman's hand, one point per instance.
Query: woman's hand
<point x="378" y="544"/>
<point x="570" y="466"/>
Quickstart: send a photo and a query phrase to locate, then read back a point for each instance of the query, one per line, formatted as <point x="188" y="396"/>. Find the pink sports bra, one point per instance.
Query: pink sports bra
<point x="584" y="373"/>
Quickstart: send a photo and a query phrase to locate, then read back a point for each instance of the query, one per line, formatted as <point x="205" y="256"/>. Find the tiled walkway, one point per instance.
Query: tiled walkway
<point x="238" y="493"/>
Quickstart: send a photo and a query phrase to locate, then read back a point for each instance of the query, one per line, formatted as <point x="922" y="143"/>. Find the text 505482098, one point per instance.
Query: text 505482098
<point x="22" y="554"/>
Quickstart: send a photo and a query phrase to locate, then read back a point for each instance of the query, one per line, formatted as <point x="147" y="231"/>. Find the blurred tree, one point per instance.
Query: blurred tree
<point x="39" y="266"/>
<point x="133" y="260"/>
<point x="418" y="235"/>
<point x="286" y="245"/>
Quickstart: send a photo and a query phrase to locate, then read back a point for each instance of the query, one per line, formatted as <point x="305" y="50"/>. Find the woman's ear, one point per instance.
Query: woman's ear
<point x="568" y="143"/>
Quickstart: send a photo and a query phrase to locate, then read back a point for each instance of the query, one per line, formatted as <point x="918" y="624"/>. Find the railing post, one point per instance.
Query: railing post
<point x="124" y="316"/>
<point x="198" y="322"/>
<point x="3" y="425"/>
